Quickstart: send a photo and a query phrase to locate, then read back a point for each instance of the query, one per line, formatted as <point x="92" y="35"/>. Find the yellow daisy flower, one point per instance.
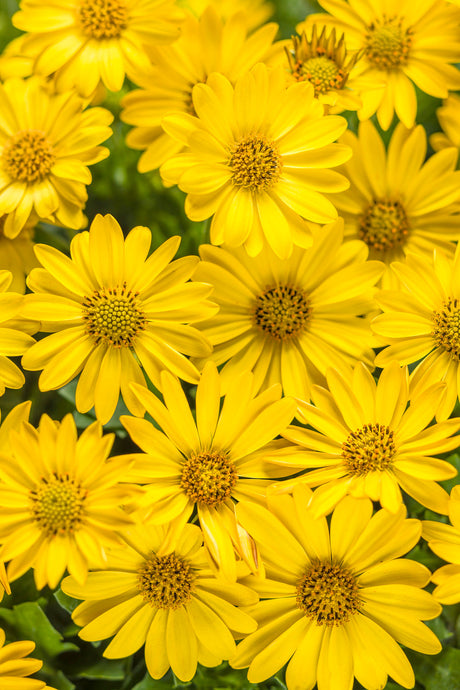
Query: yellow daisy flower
<point x="256" y="12"/>
<point x="444" y="540"/>
<point x="449" y="119"/>
<point x="204" y="465"/>
<point x="15" y="667"/>
<point x="88" y="41"/>
<point x="59" y="500"/>
<point x="160" y="591"/>
<point x="13" y="342"/>
<point x="367" y="441"/>
<point x="206" y="45"/>
<point x="111" y="311"/>
<point x="259" y="160"/>
<point x="403" y="44"/>
<point x="338" y="600"/>
<point x="288" y="320"/>
<point x="320" y="56"/>
<point x="420" y="324"/>
<point x="392" y="203"/>
<point x="17" y="255"/>
<point x="47" y="142"/>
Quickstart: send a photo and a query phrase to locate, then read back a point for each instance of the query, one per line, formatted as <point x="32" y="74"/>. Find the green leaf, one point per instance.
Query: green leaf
<point x="105" y="669"/>
<point x="29" y="622"/>
<point x="441" y="672"/>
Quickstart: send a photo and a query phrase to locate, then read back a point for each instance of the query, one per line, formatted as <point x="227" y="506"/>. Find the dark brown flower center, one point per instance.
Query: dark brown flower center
<point x="28" y="156"/>
<point x="328" y="594"/>
<point x="208" y="478"/>
<point x="255" y="163"/>
<point x="387" y="44"/>
<point x="446" y="329"/>
<point x="102" y="18"/>
<point x="282" y="312"/>
<point x="384" y="225"/>
<point x="167" y="582"/>
<point x="114" y="316"/>
<point x="57" y="504"/>
<point x="369" y="449"/>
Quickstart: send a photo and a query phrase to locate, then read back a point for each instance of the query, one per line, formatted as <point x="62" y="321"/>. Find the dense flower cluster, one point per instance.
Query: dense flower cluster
<point x="237" y="431"/>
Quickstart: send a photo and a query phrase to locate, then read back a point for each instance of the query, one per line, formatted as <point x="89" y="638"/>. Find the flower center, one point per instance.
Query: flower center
<point x="384" y="225"/>
<point x="282" y="312"/>
<point x="28" y="156"/>
<point x="387" y="44"/>
<point x="102" y="18"/>
<point x="328" y="594"/>
<point x="113" y="316"/>
<point x="322" y="72"/>
<point x="166" y="581"/>
<point x="57" y="504"/>
<point x="369" y="449"/>
<point x="446" y="331"/>
<point x="208" y="478"/>
<point x="255" y="162"/>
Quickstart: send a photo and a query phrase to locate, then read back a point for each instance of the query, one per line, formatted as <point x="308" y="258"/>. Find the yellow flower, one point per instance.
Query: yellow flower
<point x="13" y="61"/>
<point x="59" y="500"/>
<point x="290" y="319"/>
<point x="110" y="308"/>
<point x="420" y="324"/>
<point x="14" y="667"/>
<point x="393" y="204"/>
<point x="206" y="45"/>
<point x="88" y="41"/>
<point x="47" y="142"/>
<point x="17" y="255"/>
<point x="204" y="465"/>
<point x="403" y="43"/>
<point x="367" y="441"/>
<point x="444" y="540"/>
<point x="13" y="342"/>
<point x="159" y="590"/>
<point x="337" y="600"/>
<point x="256" y="12"/>
<point x="259" y="160"/>
<point x="321" y="58"/>
<point x="449" y="119"/>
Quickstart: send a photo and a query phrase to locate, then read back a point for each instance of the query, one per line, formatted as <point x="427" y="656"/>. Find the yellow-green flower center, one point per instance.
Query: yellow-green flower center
<point x="255" y="163"/>
<point x="28" y="156"/>
<point x="282" y="312"/>
<point x="369" y="449"/>
<point x="167" y="582"/>
<point x="384" y="225"/>
<point x="208" y="478"/>
<point x="57" y="504"/>
<point x="322" y="72"/>
<point x="328" y="594"/>
<point x="446" y="330"/>
<point x="387" y="44"/>
<point x="113" y="316"/>
<point x="102" y="18"/>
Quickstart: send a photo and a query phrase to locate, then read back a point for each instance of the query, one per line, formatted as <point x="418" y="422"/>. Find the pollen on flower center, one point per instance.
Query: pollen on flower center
<point x="102" y="18"/>
<point x="387" y="43"/>
<point x="322" y="72"/>
<point x="369" y="449"/>
<point x="328" y="593"/>
<point x="384" y="225"/>
<point x="57" y="504"/>
<point x="28" y="156"/>
<point x="167" y="582"/>
<point x="208" y="477"/>
<point x="446" y="330"/>
<point x="282" y="311"/>
<point x="255" y="162"/>
<point x="113" y="316"/>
